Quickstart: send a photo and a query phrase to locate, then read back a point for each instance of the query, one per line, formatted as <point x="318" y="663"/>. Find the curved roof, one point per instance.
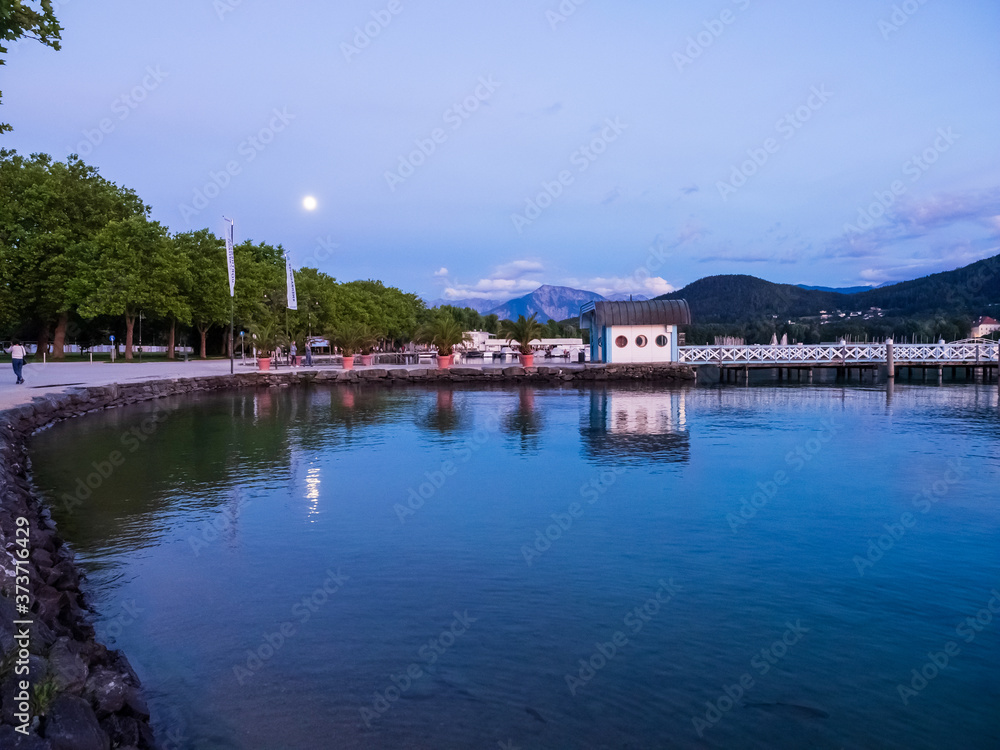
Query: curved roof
<point x="669" y="312"/>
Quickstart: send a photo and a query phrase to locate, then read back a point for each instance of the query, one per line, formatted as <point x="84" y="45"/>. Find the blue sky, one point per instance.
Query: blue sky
<point x="462" y="149"/>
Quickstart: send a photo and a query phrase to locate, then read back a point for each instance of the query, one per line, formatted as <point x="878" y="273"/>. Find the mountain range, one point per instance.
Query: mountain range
<point x="555" y="302"/>
<point x="969" y="291"/>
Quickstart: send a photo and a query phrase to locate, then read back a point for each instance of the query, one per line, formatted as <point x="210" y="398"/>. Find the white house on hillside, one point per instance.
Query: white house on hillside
<point x="634" y="331"/>
<point x="983" y="326"/>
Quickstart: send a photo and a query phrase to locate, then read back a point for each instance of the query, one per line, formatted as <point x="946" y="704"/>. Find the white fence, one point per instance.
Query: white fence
<point x="957" y="352"/>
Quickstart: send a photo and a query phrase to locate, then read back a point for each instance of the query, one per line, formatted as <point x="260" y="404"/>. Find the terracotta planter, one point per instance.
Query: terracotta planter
<point x="366" y="360"/>
<point x="348" y="363"/>
<point x="263" y="363"/>
<point x="527" y="360"/>
<point x="444" y="362"/>
<point x="298" y="360"/>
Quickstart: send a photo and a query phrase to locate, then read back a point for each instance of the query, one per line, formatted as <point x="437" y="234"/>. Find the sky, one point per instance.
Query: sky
<point x="464" y="149"/>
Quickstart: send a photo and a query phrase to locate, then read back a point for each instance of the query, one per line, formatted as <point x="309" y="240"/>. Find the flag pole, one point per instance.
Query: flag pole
<point x="231" y="266"/>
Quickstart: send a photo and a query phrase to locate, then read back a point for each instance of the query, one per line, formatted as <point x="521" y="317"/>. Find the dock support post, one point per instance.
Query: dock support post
<point x="890" y="360"/>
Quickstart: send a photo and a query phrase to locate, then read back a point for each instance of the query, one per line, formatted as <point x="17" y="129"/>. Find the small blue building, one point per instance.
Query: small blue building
<point x="634" y="332"/>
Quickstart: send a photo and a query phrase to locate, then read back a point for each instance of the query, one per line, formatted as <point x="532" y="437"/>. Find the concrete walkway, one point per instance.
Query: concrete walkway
<point x="55" y="377"/>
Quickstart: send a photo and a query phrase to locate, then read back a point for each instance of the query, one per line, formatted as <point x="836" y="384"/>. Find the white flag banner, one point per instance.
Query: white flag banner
<point x="293" y="300"/>
<point x="231" y="260"/>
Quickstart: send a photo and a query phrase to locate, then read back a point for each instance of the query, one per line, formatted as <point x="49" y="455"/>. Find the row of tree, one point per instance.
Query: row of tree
<point x="77" y="250"/>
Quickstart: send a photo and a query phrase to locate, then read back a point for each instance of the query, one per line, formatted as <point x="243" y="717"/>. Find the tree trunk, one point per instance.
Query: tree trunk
<point x="59" y="341"/>
<point x="204" y="341"/>
<point x="171" y="338"/>
<point x="129" y="327"/>
<point x="43" y="340"/>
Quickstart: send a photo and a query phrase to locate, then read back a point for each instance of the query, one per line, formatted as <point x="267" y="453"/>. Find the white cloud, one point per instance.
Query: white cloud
<point x="516" y="269"/>
<point x="651" y="286"/>
<point x="506" y="281"/>
<point x="492" y="289"/>
<point x="442" y="271"/>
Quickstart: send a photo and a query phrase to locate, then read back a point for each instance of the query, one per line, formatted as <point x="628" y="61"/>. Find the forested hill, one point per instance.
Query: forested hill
<point x="967" y="290"/>
<point x="737" y="298"/>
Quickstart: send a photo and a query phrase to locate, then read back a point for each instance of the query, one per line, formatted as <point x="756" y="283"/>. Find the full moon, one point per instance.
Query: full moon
<point x="309" y="203"/>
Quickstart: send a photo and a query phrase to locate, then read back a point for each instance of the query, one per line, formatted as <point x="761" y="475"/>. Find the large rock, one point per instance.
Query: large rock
<point x="67" y="667"/>
<point x="72" y="725"/>
<point x="14" y="740"/>
<point x="108" y="690"/>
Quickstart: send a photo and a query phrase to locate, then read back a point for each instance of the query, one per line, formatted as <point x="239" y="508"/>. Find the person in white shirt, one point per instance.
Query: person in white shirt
<point x="17" y="359"/>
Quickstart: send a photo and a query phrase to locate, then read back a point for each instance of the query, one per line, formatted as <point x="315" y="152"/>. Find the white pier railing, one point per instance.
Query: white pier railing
<point x="970" y="352"/>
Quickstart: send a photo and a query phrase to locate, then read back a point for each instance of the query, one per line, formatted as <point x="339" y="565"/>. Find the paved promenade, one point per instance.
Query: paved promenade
<point x="55" y="377"/>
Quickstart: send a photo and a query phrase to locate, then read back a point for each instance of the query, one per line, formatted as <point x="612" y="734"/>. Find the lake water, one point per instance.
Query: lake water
<point x="620" y="567"/>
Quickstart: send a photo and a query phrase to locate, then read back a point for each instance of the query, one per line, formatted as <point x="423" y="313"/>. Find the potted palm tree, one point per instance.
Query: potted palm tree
<point x="266" y="338"/>
<point x="444" y="333"/>
<point x="370" y="339"/>
<point x="523" y="331"/>
<point x="350" y="337"/>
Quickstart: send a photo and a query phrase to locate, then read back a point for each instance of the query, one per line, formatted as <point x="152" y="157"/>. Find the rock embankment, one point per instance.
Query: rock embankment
<point x="59" y="688"/>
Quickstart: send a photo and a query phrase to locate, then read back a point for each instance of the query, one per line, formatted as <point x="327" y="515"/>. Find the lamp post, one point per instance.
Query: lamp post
<point x="243" y="354"/>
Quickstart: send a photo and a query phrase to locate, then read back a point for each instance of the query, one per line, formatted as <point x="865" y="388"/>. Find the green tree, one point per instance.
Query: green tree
<point x="443" y="332"/>
<point x="207" y="290"/>
<point x="19" y="20"/>
<point x="48" y="212"/>
<point x="523" y="331"/>
<point x="129" y="268"/>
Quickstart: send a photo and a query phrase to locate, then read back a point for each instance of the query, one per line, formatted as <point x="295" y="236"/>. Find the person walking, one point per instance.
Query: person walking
<point x="292" y="352"/>
<point x="17" y="359"/>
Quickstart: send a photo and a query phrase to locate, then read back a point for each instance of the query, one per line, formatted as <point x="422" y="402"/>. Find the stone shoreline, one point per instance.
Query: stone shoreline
<point x="84" y="695"/>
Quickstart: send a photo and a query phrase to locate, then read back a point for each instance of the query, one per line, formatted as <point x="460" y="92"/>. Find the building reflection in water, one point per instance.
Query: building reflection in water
<point x="524" y="424"/>
<point x="630" y="426"/>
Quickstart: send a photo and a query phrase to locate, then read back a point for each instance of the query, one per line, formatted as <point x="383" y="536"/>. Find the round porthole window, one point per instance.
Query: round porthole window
<point x="621" y="342"/>
<point x="661" y="340"/>
<point x="641" y="341"/>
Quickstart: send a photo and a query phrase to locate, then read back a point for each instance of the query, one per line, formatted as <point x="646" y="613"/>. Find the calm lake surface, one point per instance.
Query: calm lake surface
<point x="620" y="567"/>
